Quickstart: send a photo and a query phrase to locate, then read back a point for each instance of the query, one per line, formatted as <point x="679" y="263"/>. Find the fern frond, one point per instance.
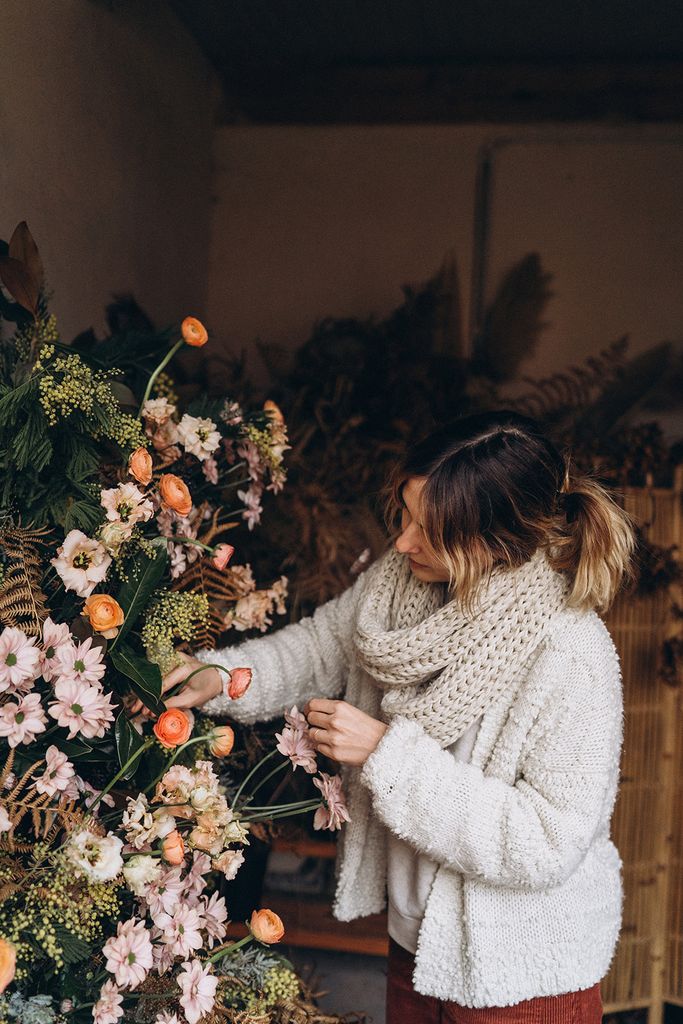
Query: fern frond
<point x="22" y="601"/>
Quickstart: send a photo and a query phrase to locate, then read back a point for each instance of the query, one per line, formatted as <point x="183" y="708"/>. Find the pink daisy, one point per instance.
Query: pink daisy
<point x="58" y="772"/>
<point x="214" y="915"/>
<point x="22" y="722"/>
<point x="19" y="661"/>
<point x="81" y="662"/>
<point x="81" y="709"/>
<point x="295" y="743"/>
<point x="54" y="638"/>
<point x="199" y="990"/>
<point x="333" y="810"/>
<point x="108" y="1009"/>
<point x="182" y="933"/>
<point x="129" y="953"/>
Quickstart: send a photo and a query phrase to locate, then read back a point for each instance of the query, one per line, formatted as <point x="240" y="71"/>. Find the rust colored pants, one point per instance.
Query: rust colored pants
<point x="406" y="1006"/>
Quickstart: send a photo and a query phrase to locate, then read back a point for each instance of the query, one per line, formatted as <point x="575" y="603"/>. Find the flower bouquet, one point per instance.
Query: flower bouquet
<point x="115" y="507"/>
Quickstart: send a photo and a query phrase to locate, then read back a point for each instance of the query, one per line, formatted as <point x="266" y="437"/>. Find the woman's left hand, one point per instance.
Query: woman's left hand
<point x="342" y="732"/>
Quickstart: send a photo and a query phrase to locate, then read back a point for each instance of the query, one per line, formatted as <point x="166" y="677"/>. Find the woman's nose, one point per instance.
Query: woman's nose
<point x="407" y="541"/>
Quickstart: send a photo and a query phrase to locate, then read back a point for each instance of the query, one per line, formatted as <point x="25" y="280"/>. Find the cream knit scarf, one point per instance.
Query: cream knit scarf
<point x="439" y="665"/>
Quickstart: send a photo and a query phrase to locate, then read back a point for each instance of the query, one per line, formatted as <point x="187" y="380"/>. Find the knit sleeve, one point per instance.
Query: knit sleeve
<point x="530" y="835"/>
<point x="306" y="659"/>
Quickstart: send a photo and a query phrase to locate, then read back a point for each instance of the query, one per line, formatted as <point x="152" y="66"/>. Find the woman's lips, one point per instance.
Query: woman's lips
<point x="413" y="562"/>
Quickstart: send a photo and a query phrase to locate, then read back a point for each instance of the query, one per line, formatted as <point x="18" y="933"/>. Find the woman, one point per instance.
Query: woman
<point x="473" y="696"/>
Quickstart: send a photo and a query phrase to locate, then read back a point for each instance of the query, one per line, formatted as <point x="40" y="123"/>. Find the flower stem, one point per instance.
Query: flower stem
<point x="251" y="774"/>
<point x="179" y="686"/>
<point x="272" y="816"/>
<point x="283" y="764"/>
<point x="131" y="760"/>
<point x="224" y="950"/>
<point x="162" y="365"/>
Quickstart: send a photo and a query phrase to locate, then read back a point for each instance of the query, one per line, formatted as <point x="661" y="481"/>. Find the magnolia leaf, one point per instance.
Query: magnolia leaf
<point x="20" y="283"/>
<point x="144" y="677"/>
<point x="22" y="247"/>
<point x="137" y="590"/>
<point x="128" y="740"/>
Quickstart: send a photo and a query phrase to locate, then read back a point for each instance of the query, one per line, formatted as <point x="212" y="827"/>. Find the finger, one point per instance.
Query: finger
<point x="319" y="719"/>
<point x="181" y="700"/>
<point x="326" y="749"/>
<point x="136" y="707"/>
<point x="324" y="705"/>
<point x="319" y="735"/>
<point x="175" y="676"/>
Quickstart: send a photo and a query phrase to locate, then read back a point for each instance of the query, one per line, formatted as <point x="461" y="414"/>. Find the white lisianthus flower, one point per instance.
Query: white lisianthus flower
<point x="140" y="872"/>
<point x="97" y="857"/>
<point x="198" y="436"/>
<point x="126" y="505"/>
<point x="112" y="535"/>
<point x="81" y="563"/>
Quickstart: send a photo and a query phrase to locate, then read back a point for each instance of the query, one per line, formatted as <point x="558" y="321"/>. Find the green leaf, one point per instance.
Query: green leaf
<point x="128" y="740"/>
<point x="145" y="678"/>
<point x="137" y="590"/>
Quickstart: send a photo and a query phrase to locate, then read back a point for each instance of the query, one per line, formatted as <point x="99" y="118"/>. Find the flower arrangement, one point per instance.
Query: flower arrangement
<point x="115" y="827"/>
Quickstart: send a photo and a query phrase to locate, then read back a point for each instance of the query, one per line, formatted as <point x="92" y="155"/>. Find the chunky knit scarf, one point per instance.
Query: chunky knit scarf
<point x="439" y="665"/>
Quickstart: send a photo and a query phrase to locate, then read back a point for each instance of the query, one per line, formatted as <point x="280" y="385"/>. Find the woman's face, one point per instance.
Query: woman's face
<point x="412" y="542"/>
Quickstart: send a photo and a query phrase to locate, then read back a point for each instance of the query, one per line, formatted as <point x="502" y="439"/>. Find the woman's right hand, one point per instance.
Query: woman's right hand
<point x="203" y="686"/>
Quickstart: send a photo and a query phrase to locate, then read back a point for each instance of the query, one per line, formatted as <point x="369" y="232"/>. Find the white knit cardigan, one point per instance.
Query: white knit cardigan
<point x="527" y="898"/>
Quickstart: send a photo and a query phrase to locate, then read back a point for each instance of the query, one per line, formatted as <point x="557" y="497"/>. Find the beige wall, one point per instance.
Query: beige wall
<point x="105" y="142"/>
<point x="310" y="222"/>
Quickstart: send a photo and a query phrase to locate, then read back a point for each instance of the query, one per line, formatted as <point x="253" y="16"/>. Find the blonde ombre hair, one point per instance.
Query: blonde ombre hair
<point x="496" y="489"/>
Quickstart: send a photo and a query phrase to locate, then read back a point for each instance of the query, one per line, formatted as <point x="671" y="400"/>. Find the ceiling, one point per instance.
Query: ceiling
<point x="295" y="59"/>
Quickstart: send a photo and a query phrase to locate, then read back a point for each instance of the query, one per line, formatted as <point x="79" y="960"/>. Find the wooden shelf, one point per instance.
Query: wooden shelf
<point x="309" y="922"/>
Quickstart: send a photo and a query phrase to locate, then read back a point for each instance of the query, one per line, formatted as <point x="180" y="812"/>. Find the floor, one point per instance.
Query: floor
<point x="352" y="983"/>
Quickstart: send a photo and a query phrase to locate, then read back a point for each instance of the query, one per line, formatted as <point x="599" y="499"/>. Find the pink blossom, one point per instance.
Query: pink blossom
<point x="298" y="748"/>
<point x="229" y="862"/>
<point x="5" y="820"/>
<point x="194" y="879"/>
<point x="58" y="772"/>
<point x="250" y="453"/>
<point x="108" y="1009"/>
<point x="129" y="953"/>
<point x="163" y="896"/>
<point x="334" y="810"/>
<point x="19" y="661"/>
<point x="22" y="722"/>
<point x="81" y="709"/>
<point x="222" y="554"/>
<point x="182" y="933"/>
<point x="251" y="499"/>
<point x="213" y="917"/>
<point x="166" y="1017"/>
<point x="199" y="990"/>
<point x="78" y="787"/>
<point x="81" y="662"/>
<point x="296" y="719"/>
<point x="54" y="638"/>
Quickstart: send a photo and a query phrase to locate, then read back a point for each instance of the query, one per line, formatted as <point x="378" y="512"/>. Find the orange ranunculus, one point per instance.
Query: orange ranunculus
<point x="266" y="926"/>
<point x="175" y="494"/>
<point x="240" y="679"/>
<point x="194" y="332"/>
<point x="105" y="614"/>
<point x="273" y="410"/>
<point x="222" y="554"/>
<point x="140" y="466"/>
<point x="8" y="963"/>
<point x="172" y="728"/>
<point x="173" y="848"/>
<point x="221" y="741"/>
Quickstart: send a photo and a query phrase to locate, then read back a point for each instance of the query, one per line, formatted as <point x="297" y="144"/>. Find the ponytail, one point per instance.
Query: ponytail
<point x="593" y="544"/>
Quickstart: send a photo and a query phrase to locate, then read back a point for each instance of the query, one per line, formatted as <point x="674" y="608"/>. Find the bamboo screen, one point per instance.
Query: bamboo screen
<point x="648" y="826"/>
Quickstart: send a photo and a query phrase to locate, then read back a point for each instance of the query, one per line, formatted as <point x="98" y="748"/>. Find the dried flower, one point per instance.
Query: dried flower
<point x="81" y="563"/>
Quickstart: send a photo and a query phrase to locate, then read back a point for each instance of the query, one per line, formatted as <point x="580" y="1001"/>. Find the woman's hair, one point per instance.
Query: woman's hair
<point x="496" y="490"/>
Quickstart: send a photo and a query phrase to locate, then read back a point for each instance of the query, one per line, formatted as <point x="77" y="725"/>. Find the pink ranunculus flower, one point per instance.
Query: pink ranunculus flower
<point x="19" y="661"/>
<point x="222" y="554"/>
<point x="129" y="953"/>
<point x="82" y="663"/>
<point x="182" y="934"/>
<point x="199" y="990"/>
<point x="108" y="1008"/>
<point x="81" y="709"/>
<point x="58" y="772"/>
<point x="55" y="637"/>
<point x="22" y="722"/>
<point x="334" y="811"/>
<point x="213" y="917"/>
<point x="81" y="563"/>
